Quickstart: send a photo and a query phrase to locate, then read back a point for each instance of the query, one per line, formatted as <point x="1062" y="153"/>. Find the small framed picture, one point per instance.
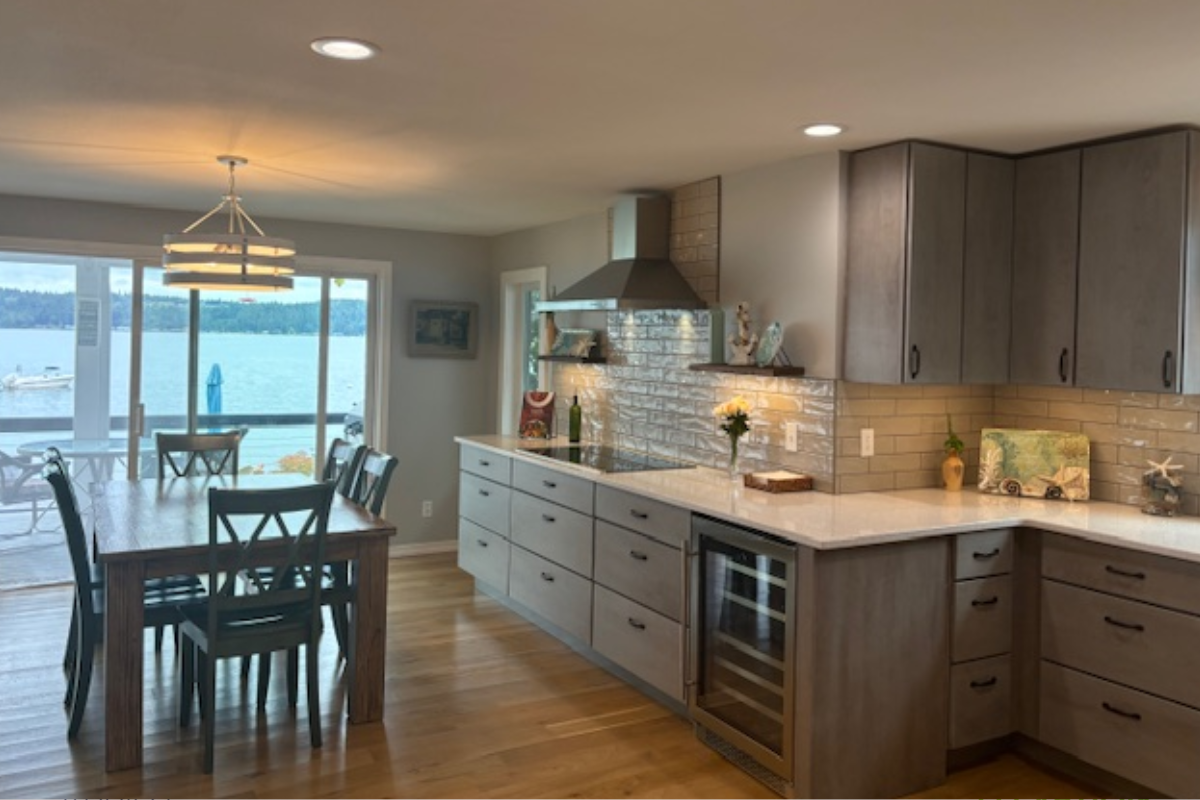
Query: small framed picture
<point x="443" y="329"/>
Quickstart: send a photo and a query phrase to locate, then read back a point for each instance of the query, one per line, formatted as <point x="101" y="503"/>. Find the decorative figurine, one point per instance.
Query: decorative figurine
<point x="1160" y="489"/>
<point x="742" y="343"/>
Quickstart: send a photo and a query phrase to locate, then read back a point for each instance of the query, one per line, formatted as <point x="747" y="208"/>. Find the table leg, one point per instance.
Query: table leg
<point x="124" y="615"/>
<point x="369" y="631"/>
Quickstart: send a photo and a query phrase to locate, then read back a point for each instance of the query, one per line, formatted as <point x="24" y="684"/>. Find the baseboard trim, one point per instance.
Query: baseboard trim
<point x="422" y="548"/>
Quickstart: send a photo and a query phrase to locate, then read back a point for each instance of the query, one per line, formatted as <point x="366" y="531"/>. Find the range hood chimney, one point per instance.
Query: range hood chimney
<point x="640" y="274"/>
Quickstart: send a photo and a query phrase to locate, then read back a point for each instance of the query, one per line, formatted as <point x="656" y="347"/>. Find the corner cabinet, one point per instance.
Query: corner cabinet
<point x="928" y="263"/>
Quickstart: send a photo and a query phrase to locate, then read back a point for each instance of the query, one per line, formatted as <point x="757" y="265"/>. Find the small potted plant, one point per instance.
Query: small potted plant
<point x="952" y="466"/>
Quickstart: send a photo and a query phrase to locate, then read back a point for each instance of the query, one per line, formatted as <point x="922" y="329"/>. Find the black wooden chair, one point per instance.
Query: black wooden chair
<point x="185" y="454"/>
<point x="371" y="483"/>
<point x="87" y="619"/>
<point x="342" y="465"/>
<point x="263" y="597"/>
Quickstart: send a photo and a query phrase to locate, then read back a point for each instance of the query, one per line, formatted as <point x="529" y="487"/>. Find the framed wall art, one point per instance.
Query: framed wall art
<point x="443" y="329"/>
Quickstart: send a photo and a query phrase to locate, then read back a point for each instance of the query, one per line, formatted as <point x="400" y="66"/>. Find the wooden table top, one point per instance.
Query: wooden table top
<point x="152" y="518"/>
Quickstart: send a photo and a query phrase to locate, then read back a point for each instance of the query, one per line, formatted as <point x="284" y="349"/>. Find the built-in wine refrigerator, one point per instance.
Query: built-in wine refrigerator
<point x="742" y="648"/>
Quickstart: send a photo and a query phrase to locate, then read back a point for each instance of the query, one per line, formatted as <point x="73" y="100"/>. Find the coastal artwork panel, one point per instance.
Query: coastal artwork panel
<point x="1054" y="465"/>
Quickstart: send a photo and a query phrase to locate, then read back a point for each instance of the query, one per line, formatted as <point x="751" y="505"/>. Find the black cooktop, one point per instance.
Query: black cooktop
<point x="607" y="459"/>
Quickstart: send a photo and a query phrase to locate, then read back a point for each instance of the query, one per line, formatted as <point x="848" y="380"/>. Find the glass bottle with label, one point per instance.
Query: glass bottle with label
<point x="575" y="428"/>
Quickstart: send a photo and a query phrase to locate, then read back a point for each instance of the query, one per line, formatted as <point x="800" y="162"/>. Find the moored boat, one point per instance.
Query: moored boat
<point x="51" y="378"/>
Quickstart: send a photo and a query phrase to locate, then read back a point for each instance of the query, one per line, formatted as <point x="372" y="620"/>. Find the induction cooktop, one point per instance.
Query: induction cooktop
<point x="607" y="459"/>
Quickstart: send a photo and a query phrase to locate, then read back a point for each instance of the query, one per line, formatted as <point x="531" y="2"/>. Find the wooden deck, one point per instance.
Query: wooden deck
<point x="479" y="704"/>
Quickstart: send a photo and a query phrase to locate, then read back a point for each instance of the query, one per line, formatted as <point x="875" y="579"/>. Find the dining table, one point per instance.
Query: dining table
<point x="153" y="528"/>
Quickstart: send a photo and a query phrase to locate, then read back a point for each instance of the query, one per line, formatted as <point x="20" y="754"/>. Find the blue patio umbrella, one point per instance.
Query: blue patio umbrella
<point x="214" y="389"/>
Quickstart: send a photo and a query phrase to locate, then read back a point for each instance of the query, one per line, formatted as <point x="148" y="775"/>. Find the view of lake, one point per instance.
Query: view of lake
<point x="261" y="374"/>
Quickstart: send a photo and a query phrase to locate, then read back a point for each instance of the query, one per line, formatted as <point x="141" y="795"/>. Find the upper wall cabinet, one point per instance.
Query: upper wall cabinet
<point x="1136" y="278"/>
<point x="1045" y="261"/>
<point x="929" y="231"/>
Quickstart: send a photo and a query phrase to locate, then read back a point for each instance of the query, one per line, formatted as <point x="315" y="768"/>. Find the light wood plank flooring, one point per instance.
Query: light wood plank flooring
<point x="480" y="703"/>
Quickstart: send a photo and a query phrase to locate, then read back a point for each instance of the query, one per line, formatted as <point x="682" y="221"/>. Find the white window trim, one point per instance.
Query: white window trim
<point x="506" y="357"/>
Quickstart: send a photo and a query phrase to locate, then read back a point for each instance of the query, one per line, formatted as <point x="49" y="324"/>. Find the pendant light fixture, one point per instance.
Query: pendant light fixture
<point x="233" y="260"/>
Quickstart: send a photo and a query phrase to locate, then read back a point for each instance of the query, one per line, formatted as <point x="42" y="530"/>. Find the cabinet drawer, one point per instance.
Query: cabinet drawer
<point x="552" y="592"/>
<point x="552" y="531"/>
<point x="640" y="568"/>
<point x="982" y="618"/>
<point x="485" y="463"/>
<point x="1149" y="648"/>
<point x="977" y="555"/>
<point x="1142" y="576"/>
<point x="980" y="701"/>
<point x="483" y="502"/>
<point x="1151" y="741"/>
<point x="642" y="641"/>
<point x="483" y="554"/>
<point x="658" y="520"/>
<point x="566" y="490"/>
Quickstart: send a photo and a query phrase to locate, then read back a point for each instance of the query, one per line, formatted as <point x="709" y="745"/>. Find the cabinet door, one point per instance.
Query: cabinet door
<point x="987" y="269"/>
<point x="933" y="322"/>
<point x="1045" y="258"/>
<point x="1131" y="246"/>
<point x="877" y="220"/>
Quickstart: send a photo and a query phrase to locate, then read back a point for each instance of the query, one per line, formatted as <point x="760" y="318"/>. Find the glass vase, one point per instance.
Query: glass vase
<point x="733" y="457"/>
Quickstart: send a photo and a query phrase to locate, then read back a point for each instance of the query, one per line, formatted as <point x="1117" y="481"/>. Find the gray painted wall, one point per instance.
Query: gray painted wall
<point x="431" y="400"/>
<point x="781" y="249"/>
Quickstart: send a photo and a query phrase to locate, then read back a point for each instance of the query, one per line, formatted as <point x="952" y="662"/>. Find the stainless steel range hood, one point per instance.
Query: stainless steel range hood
<point x="640" y="274"/>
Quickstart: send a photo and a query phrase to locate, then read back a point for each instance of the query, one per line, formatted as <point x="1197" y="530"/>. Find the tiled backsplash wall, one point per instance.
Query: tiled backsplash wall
<point x="645" y="398"/>
<point x="695" y="235"/>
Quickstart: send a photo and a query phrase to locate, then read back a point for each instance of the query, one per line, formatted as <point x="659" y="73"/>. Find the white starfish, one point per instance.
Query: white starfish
<point x="1163" y="468"/>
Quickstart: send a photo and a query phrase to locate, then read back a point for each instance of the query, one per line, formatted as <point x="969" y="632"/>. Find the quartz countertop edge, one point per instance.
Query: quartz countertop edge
<point x="827" y="521"/>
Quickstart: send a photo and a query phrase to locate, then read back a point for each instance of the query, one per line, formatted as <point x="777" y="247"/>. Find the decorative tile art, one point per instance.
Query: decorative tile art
<point x="1050" y="464"/>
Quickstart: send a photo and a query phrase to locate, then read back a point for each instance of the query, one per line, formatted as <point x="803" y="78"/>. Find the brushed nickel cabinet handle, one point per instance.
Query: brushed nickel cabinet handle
<point x="485" y="463"/>
<point x="638" y="514"/>
<point x="485" y="493"/>
<point x="481" y="542"/>
<point x="547" y="518"/>
<point x="636" y="556"/>
<point x="546" y="576"/>
<point x="633" y="623"/>
<point x="550" y="484"/>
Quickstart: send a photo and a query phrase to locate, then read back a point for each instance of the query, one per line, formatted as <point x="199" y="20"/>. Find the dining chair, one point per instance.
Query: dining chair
<point x="185" y="454"/>
<point x="21" y="485"/>
<point x="371" y="483"/>
<point x="342" y="465"/>
<point x="266" y="552"/>
<point x="87" y="620"/>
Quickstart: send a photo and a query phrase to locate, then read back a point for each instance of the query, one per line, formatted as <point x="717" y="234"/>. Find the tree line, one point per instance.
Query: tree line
<point x="20" y="308"/>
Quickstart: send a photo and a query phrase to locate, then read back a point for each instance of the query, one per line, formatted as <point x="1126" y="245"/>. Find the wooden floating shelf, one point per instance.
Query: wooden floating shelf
<point x="575" y="359"/>
<point x="751" y="369"/>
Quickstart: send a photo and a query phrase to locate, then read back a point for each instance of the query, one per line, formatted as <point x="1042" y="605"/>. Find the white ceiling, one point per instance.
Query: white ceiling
<point x="485" y="116"/>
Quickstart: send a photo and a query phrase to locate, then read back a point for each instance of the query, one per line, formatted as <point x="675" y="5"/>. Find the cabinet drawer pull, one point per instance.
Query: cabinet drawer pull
<point x="481" y="542"/>
<point x="985" y="556"/>
<point x="1168" y="369"/>
<point x="914" y="361"/>
<point x="550" y="484"/>
<point x="991" y="601"/>
<point x="483" y="463"/>
<point x="636" y="556"/>
<point x="985" y="683"/>
<point x="485" y="493"/>
<point x="1133" y="715"/>
<point x="1111" y="570"/>
<point x="633" y="512"/>
<point x="1129" y="626"/>
<point x="1062" y="365"/>
<point x="633" y="623"/>
<point x="546" y="576"/>
<point x="547" y="518"/>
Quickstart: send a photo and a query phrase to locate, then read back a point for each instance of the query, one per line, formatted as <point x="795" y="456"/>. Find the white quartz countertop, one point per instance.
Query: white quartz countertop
<point x="827" y="521"/>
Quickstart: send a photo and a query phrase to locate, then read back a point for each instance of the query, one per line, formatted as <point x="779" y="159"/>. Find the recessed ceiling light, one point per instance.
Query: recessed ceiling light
<point x="345" y="49"/>
<point x="823" y="129"/>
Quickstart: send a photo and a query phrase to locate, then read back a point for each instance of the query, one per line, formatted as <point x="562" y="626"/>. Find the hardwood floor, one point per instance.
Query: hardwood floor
<point x="480" y="703"/>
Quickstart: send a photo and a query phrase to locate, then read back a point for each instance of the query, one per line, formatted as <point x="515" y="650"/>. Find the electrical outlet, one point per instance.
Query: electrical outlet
<point x="427" y="509"/>
<point x="866" y="444"/>
<point x="791" y="437"/>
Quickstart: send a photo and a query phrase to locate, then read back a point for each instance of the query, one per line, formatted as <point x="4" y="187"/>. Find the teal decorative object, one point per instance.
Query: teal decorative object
<point x="1050" y="464"/>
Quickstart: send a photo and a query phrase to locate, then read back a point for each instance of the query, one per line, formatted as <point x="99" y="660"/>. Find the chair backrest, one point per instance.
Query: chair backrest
<point x="184" y="454"/>
<point x="274" y="567"/>
<point x="342" y="465"/>
<point x="371" y="485"/>
<point x="55" y="473"/>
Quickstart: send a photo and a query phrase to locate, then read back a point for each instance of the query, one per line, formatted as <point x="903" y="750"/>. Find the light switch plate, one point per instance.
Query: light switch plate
<point x="791" y="441"/>
<point x="866" y="444"/>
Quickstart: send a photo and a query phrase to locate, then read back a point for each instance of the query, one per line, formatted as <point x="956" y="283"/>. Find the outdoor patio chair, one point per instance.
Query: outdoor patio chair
<point x="21" y="485"/>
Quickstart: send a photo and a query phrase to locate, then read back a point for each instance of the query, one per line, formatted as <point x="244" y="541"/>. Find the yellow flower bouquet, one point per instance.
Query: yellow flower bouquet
<point x="735" y="416"/>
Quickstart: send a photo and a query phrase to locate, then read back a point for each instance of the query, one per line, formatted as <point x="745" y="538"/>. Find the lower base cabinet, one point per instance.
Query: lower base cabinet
<point x="484" y="554"/>
<point x="1148" y="740"/>
<point x="552" y="592"/>
<point x="980" y="700"/>
<point x="642" y="641"/>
